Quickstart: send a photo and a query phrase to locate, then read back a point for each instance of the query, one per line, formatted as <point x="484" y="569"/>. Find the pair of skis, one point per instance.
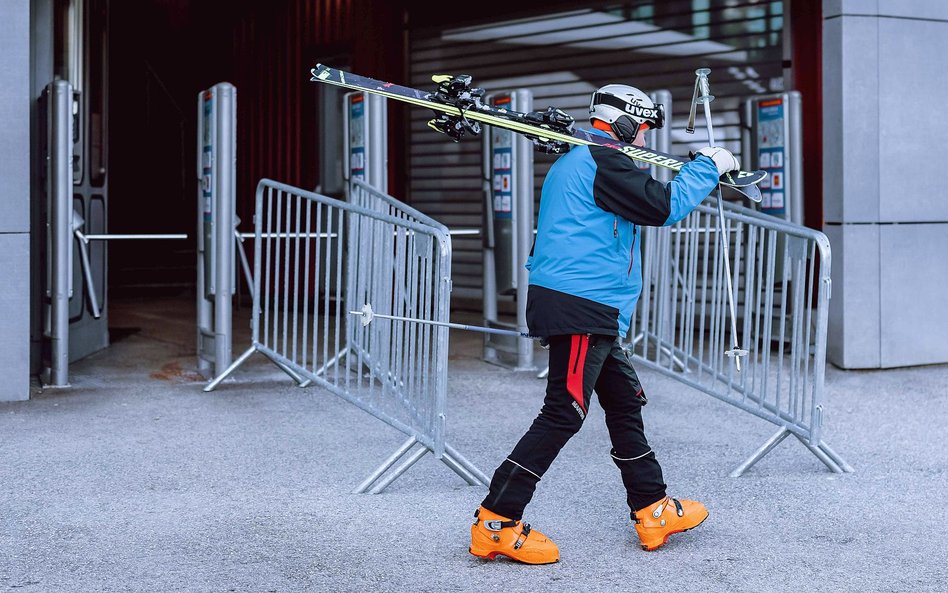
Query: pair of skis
<point x="460" y="111"/>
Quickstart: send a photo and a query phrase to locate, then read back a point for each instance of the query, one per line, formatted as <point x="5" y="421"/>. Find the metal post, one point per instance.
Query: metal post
<point x="365" y="134"/>
<point x="524" y="225"/>
<point x="377" y="149"/>
<point x="225" y="170"/>
<point x="795" y="156"/>
<point x="216" y="264"/>
<point x="509" y="221"/>
<point x="60" y="227"/>
<point x="489" y="284"/>
<point x="660" y="139"/>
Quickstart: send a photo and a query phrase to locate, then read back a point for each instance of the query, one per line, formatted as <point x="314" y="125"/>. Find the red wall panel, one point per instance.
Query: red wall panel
<point x="273" y="48"/>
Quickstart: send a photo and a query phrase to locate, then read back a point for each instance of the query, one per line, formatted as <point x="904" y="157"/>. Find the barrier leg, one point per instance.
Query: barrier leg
<point x="835" y="457"/>
<point x="766" y="448"/>
<point x="822" y="456"/>
<point x="229" y="370"/>
<point x="300" y="381"/>
<point x="467" y="465"/>
<point x="343" y="352"/>
<point x="361" y="488"/>
<point x="395" y="473"/>
<point x="460" y="470"/>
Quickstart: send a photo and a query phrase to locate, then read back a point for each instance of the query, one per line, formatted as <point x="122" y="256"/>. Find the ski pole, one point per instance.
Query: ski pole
<point x="368" y="315"/>
<point x="703" y="96"/>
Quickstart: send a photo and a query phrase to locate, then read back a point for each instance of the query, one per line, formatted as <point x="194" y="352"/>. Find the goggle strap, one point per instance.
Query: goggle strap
<point x="654" y="115"/>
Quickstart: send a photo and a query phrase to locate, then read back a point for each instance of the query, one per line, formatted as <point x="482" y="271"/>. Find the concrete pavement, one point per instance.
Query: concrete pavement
<point x="135" y="480"/>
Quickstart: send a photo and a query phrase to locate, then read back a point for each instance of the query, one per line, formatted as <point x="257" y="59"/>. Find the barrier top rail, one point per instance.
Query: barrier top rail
<point x="419" y="216"/>
<point x="438" y="229"/>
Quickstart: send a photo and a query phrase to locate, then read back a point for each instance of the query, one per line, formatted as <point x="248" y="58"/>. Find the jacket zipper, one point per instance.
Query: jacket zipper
<point x="635" y="234"/>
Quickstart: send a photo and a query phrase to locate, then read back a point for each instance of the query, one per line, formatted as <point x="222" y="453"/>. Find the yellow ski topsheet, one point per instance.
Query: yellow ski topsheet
<point x="336" y="77"/>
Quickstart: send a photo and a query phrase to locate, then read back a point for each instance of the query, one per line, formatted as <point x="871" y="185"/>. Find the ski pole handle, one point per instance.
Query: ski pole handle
<point x="702" y="94"/>
<point x="704" y="89"/>
<point x="704" y="97"/>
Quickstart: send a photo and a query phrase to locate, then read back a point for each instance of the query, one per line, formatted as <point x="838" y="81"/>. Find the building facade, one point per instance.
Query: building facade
<point x="867" y="71"/>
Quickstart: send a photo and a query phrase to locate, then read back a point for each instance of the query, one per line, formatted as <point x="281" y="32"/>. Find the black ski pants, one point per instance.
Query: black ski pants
<point x="578" y="365"/>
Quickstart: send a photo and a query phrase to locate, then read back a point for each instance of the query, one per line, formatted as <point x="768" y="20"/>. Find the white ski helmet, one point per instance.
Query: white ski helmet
<point x="625" y="108"/>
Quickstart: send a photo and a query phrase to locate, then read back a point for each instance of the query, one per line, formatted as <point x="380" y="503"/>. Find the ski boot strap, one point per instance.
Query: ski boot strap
<point x="661" y="508"/>
<point x="523" y="536"/>
<point x="494" y="524"/>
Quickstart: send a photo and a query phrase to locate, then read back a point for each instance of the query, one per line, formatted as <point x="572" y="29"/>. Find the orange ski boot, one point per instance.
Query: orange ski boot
<point x="493" y="535"/>
<point x="657" y="521"/>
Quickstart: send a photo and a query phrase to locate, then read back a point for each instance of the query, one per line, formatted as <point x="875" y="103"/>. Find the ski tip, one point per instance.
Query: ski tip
<point x="320" y="73"/>
<point x="743" y="178"/>
<point x="751" y="192"/>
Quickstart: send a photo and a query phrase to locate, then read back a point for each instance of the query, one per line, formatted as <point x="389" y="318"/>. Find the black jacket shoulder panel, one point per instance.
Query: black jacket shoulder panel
<point x="622" y="188"/>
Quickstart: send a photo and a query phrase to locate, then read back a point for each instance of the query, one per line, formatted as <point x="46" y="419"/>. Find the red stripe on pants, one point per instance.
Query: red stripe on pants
<point x="574" y="377"/>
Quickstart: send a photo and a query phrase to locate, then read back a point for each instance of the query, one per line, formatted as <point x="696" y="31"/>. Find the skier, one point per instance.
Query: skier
<point x="585" y="279"/>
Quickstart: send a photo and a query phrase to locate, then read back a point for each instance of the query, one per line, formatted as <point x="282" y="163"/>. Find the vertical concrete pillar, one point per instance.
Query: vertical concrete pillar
<point x="15" y="200"/>
<point x="884" y="197"/>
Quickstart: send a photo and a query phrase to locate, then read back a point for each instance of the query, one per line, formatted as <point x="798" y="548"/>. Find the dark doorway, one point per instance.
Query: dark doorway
<point x="163" y="52"/>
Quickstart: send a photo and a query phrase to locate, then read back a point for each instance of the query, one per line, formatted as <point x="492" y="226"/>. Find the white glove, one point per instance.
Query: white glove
<point x="722" y="157"/>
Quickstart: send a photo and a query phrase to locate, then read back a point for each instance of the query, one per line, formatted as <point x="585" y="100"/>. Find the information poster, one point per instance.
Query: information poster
<point x="771" y="143"/>
<point x="207" y="156"/>
<point x="502" y="155"/>
<point x="357" y="137"/>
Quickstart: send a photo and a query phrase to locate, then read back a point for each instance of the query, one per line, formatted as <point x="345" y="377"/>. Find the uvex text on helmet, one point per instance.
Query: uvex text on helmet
<point x="626" y="109"/>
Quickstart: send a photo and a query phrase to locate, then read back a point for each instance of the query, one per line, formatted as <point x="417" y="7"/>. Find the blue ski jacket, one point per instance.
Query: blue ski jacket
<point x="585" y="265"/>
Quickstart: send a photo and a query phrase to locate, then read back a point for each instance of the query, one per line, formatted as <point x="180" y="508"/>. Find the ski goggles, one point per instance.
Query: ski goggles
<point x="654" y="116"/>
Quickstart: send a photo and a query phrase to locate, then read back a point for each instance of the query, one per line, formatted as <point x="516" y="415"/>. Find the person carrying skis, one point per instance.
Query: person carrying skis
<point x="585" y="279"/>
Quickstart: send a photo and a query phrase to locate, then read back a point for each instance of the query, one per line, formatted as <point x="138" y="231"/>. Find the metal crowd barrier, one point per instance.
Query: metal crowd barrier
<point x="781" y="282"/>
<point x="315" y="259"/>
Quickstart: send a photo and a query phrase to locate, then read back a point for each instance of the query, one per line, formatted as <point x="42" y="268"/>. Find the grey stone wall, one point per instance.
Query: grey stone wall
<point x="14" y="199"/>
<point x="885" y="196"/>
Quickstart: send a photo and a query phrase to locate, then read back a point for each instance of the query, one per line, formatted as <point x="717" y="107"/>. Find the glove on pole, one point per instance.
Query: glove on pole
<point x="722" y="157"/>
